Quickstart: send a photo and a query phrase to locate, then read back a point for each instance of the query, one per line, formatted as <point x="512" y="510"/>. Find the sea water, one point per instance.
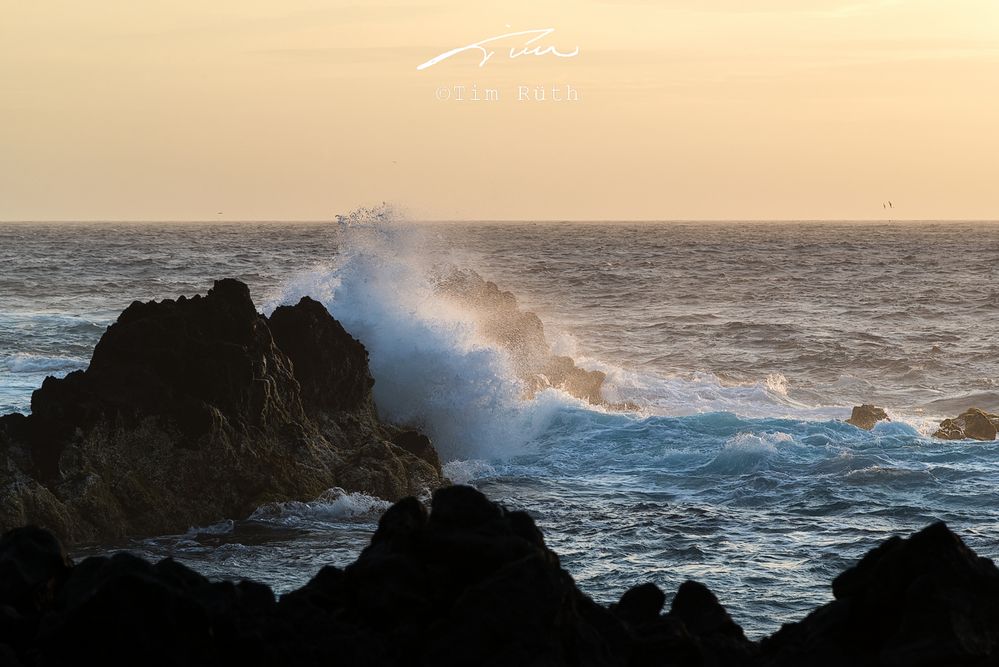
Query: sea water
<point x="741" y="347"/>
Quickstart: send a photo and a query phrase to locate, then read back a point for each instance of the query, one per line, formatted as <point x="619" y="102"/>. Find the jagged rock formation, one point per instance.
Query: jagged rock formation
<point x="471" y="583"/>
<point x="925" y="600"/>
<point x="501" y="321"/>
<point x="971" y="424"/>
<point x="200" y="409"/>
<point x="866" y="416"/>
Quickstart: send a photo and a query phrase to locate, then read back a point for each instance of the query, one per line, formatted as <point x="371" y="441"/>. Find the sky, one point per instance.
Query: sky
<point x="686" y="109"/>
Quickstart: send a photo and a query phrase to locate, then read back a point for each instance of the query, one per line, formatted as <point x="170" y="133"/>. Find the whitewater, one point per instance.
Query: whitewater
<point x="732" y="353"/>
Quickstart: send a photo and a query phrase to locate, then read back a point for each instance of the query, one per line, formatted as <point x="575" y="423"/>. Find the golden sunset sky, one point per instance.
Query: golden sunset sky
<point x="689" y="109"/>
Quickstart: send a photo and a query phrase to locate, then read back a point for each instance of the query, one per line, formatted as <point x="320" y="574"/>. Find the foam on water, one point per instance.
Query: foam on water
<point x="432" y="371"/>
<point x="333" y="506"/>
<point x="38" y="363"/>
<point x="694" y="393"/>
<point x="466" y="471"/>
<point x="220" y="528"/>
<point x="746" y="452"/>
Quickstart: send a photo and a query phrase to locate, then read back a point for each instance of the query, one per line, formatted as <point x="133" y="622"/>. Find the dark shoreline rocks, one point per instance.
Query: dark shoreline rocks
<point x="198" y="409"/>
<point x="471" y="583"/>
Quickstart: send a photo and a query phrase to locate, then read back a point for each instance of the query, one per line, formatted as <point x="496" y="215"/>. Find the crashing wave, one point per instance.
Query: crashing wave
<point x="500" y="320"/>
<point x="457" y="357"/>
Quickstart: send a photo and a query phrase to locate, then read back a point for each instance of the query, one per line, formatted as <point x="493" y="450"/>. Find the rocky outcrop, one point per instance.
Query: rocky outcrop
<point x="866" y="416"/>
<point x="972" y="424"/>
<point x="470" y="583"/>
<point x="501" y="321"/>
<point x="200" y="409"/>
<point x="925" y="600"/>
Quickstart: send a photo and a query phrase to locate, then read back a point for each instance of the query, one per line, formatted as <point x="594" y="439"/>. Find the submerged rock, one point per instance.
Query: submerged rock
<point x="471" y="583"/>
<point x="973" y="424"/>
<point x="866" y="416"/>
<point x="194" y="410"/>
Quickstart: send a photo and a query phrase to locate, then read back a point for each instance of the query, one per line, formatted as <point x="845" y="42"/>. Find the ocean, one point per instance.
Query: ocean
<point x="739" y="348"/>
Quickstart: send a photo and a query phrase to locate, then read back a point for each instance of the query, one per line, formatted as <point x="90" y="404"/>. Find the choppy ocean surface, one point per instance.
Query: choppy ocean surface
<point x="744" y="345"/>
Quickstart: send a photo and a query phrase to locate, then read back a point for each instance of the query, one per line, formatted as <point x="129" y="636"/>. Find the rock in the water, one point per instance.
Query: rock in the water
<point x="521" y="333"/>
<point x="866" y="416"/>
<point x="973" y="424"/>
<point x="200" y="409"/>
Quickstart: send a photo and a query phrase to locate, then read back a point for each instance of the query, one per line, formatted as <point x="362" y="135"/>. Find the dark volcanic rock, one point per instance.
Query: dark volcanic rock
<point x="419" y="445"/>
<point x="200" y="409"/>
<point x="973" y="424"/>
<point x="32" y="564"/>
<point x="925" y="600"/>
<point x="717" y="634"/>
<point x="330" y="365"/>
<point x="470" y="583"/>
<point x="866" y="416"/>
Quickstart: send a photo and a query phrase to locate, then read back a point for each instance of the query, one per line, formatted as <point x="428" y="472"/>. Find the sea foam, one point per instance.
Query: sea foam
<point x="434" y="371"/>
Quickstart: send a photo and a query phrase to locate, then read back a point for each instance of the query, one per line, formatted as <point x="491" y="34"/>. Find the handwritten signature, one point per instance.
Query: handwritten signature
<point x="526" y="48"/>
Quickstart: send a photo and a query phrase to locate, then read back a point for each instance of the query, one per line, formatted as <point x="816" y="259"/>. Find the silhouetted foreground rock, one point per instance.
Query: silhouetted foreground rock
<point x="925" y="600"/>
<point x="473" y="584"/>
<point x="200" y="409"/>
<point x="973" y="424"/>
<point x="866" y="416"/>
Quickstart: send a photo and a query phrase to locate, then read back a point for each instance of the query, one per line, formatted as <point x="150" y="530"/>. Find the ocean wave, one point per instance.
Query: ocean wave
<point x="746" y="452"/>
<point x="693" y="393"/>
<point x="221" y="528"/>
<point x="432" y="369"/>
<point x="467" y="471"/>
<point x="437" y="369"/>
<point x="333" y="506"/>
<point x="24" y="362"/>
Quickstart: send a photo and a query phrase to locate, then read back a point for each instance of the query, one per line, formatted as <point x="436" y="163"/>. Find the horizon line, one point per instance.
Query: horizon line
<point x="493" y="220"/>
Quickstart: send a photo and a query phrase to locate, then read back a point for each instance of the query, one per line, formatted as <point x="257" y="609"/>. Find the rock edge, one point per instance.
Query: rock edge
<point x="198" y="409"/>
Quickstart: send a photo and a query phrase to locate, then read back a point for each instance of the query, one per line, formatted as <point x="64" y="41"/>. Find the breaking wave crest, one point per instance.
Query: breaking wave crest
<point x="432" y="368"/>
<point x="454" y="355"/>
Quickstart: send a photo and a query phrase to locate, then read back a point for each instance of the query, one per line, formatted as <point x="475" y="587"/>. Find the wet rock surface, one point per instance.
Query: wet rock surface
<point x="866" y="416"/>
<point x="972" y="424"/>
<point x="471" y="583"/>
<point x="198" y="409"/>
<point x="501" y="321"/>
